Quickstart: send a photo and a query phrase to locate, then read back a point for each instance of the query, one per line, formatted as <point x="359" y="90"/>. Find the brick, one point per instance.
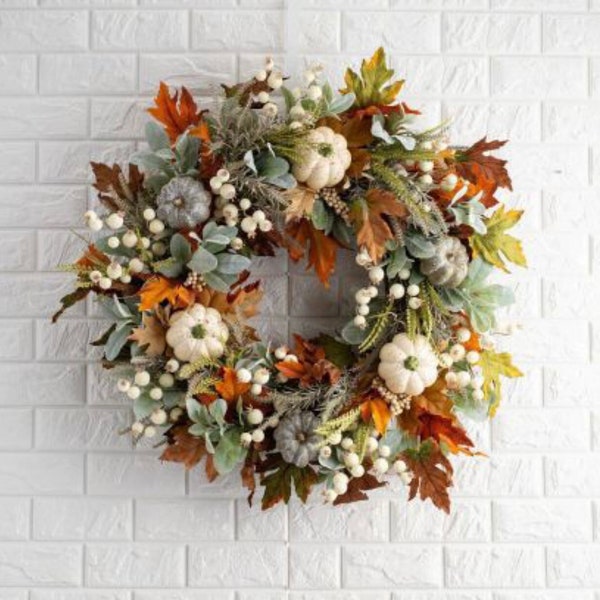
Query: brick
<point x="571" y="34"/>
<point x="40" y="564"/>
<point x="258" y="31"/>
<point x="17" y="162"/>
<point x="573" y="566"/>
<point x="345" y="595"/>
<point x="244" y="564"/>
<point x="351" y="523"/>
<point x="139" y="30"/>
<point x="392" y="565"/>
<point x="30" y="118"/>
<point x="135" y="474"/>
<point x="314" y="566"/>
<point x="583" y="205"/>
<point x="14" y="519"/>
<point x="119" y="118"/>
<point x="195" y="520"/>
<point x="499" y="476"/>
<point x="571" y="385"/>
<point x="499" y="33"/>
<point x="500" y="566"/>
<point x="75" y="519"/>
<point x="542" y="521"/>
<point x="43" y="30"/>
<point x="33" y="295"/>
<point x="571" y="122"/>
<point x="186" y="595"/>
<point x="69" y="339"/>
<point x="58" y="247"/>
<point x="318" y="30"/>
<point x="542" y="595"/>
<point x="22" y="473"/>
<point x="516" y="121"/>
<point x="411" y="32"/>
<point x="537" y="5"/>
<point x="200" y="73"/>
<point x="567" y="477"/>
<point x="541" y="429"/>
<point x="447" y="76"/>
<point x="535" y="77"/>
<point x="77" y="429"/>
<point x="36" y="206"/>
<point x="253" y="525"/>
<point x="16" y="250"/>
<point x="17" y="339"/>
<point x="18" y="428"/>
<point x="422" y="522"/>
<point x="87" y="73"/>
<point x="79" y="594"/>
<point x="69" y="162"/>
<point x="136" y="565"/>
<point x="18" y="73"/>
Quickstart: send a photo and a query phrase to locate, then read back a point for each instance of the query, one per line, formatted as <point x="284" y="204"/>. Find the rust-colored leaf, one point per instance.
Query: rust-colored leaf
<point x="432" y="474"/>
<point x="93" y="258"/>
<point x="357" y="486"/>
<point x="183" y="447"/>
<point x="159" y="288"/>
<point x="443" y="429"/>
<point x="229" y="388"/>
<point x="322" y="249"/>
<point x="177" y="113"/>
<point x="435" y="400"/>
<point x="368" y="215"/>
<point x="301" y="201"/>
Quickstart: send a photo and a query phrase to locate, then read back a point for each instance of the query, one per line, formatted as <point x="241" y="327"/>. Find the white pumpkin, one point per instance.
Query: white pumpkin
<point x="408" y="365"/>
<point x="197" y="332"/>
<point x="325" y="162"/>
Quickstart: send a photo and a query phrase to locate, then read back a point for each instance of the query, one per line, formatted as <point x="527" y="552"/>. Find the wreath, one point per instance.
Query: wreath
<point x="311" y="172"/>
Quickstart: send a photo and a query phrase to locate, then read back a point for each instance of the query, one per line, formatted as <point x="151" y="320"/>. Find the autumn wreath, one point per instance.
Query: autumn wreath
<point x="310" y="172"/>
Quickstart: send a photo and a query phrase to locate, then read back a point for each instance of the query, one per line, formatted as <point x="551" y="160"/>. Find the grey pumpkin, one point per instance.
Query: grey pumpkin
<point x="183" y="203"/>
<point x="296" y="438"/>
<point x="449" y="265"/>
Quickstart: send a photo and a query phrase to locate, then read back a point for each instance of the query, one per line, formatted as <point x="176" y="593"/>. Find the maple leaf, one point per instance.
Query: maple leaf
<point x="93" y="258"/>
<point x="488" y="173"/>
<point x="312" y="366"/>
<point x="69" y="300"/>
<point x="177" y="113"/>
<point x="494" y="365"/>
<point x="159" y="288"/>
<point x="150" y="335"/>
<point x="322" y="249"/>
<point x="243" y="300"/>
<point x="229" y="388"/>
<point x="444" y="429"/>
<point x="368" y="216"/>
<point x="435" y="400"/>
<point x="357" y="486"/>
<point x="495" y="245"/>
<point x="183" y="447"/>
<point x="377" y="410"/>
<point x="278" y="484"/>
<point x="369" y="87"/>
<point x="432" y="474"/>
<point x="110" y="180"/>
<point x="301" y="201"/>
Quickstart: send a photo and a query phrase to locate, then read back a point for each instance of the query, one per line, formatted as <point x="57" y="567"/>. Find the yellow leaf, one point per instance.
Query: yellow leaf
<point x="151" y="335"/>
<point x="495" y="245"/>
<point x="493" y="366"/>
<point x="301" y="202"/>
<point x="369" y="86"/>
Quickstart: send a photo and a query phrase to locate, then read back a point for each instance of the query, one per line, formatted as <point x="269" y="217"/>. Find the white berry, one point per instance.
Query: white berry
<point x="243" y="375"/>
<point x="158" y="416"/>
<point x="129" y="239"/>
<point x="134" y="392"/>
<point x="258" y="435"/>
<point x="166" y="380"/>
<point x="156" y="393"/>
<point x="397" y="291"/>
<point x="156" y="226"/>
<point x="376" y="274"/>
<point x="142" y="378"/>
<point x="114" y="221"/>
<point x="413" y="290"/>
<point x="255" y="416"/>
<point x="381" y="465"/>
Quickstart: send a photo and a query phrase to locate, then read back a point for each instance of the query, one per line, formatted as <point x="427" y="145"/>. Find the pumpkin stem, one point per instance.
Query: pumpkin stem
<point x="198" y="332"/>
<point x="411" y="363"/>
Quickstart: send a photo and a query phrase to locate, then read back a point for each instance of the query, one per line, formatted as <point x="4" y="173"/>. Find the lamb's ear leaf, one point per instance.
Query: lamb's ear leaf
<point x="203" y="261"/>
<point x="180" y="248"/>
<point x="229" y="451"/>
<point x="156" y="137"/>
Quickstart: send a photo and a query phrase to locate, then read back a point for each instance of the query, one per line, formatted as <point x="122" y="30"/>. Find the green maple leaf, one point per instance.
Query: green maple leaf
<point x="495" y="245"/>
<point x="493" y="366"/>
<point x="369" y="87"/>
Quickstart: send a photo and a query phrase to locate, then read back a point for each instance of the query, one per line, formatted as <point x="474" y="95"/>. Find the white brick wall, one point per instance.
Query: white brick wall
<point x="83" y="517"/>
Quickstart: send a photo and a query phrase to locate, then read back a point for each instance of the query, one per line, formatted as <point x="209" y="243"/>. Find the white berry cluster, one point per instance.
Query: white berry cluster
<point x="237" y="212"/>
<point x="142" y="384"/>
<point x="255" y="418"/>
<point x="258" y="377"/>
<point x="312" y="91"/>
<point x="274" y="79"/>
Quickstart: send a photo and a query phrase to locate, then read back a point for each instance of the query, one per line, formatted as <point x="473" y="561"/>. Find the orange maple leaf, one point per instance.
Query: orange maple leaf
<point x="93" y="258"/>
<point x="368" y="216"/>
<point x="160" y="288"/>
<point x="229" y="388"/>
<point x="378" y="410"/>
<point x="322" y="249"/>
<point x="443" y="429"/>
<point x="177" y="113"/>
